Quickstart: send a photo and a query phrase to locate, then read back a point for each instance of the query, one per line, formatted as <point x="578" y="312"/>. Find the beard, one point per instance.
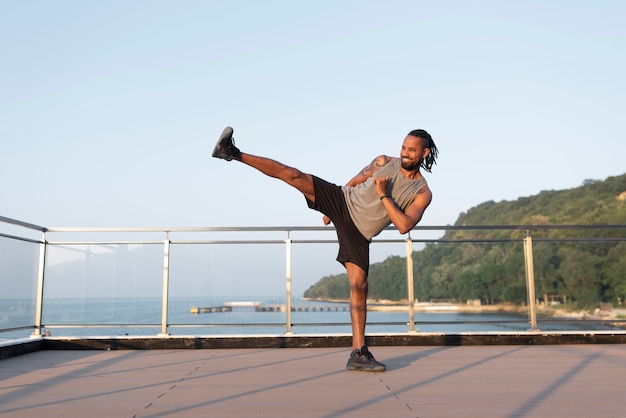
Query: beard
<point x="410" y="166"/>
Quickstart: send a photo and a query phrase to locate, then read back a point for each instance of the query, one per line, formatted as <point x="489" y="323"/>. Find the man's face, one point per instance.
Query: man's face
<point x="413" y="152"/>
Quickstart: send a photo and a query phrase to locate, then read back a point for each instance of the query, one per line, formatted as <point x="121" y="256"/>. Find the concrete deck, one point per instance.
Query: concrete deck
<point x="575" y="380"/>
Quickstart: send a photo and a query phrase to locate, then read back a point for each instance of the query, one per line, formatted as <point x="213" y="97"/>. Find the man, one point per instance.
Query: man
<point x="389" y="190"/>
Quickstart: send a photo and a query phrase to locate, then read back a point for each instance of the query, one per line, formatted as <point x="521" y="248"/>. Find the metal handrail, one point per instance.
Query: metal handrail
<point x="315" y="228"/>
<point x="27" y="225"/>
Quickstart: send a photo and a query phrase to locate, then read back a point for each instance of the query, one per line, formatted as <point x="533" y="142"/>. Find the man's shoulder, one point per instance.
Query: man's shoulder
<point x="424" y="192"/>
<point x="386" y="160"/>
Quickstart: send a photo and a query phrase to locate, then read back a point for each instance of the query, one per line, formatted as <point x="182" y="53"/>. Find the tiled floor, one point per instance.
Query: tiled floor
<point x="466" y="381"/>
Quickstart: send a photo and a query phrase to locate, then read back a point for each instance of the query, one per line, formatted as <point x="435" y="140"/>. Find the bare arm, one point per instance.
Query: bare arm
<point x="405" y="221"/>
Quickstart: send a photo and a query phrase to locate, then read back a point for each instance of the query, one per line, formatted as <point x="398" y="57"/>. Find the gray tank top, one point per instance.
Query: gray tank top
<point x="366" y="209"/>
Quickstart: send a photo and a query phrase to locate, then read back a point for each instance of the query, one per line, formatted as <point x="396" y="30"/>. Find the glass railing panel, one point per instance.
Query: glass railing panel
<point x="18" y="287"/>
<point x="564" y="280"/>
<point x="105" y="289"/>
<point x="312" y="262"/>
<point x="217" y="288"/>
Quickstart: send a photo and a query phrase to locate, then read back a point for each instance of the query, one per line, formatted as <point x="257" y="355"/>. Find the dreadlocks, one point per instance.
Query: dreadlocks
<point x="431" y="159"/>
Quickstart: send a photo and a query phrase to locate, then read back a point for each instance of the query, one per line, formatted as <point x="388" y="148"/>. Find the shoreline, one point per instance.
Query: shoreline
<point x="402" y="306"/>
<point x="553" y="311"/>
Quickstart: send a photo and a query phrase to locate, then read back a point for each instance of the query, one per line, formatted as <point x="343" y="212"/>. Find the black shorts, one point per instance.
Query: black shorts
<point x="353" y="246"/>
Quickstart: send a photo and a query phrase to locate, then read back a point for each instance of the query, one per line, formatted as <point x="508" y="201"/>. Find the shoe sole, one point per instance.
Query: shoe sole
<point x="361" y="368"/>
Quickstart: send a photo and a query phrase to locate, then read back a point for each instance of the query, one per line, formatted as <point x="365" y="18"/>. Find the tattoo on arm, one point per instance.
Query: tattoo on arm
<point x="377" y="162"/>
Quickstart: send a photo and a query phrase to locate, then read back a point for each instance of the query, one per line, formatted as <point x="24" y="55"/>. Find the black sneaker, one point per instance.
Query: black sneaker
<point x="363" y="360"/>
<point x="225" y="147"/>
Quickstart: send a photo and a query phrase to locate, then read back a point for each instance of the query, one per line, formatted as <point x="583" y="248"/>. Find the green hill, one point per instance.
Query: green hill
<point x="583" y="273"/>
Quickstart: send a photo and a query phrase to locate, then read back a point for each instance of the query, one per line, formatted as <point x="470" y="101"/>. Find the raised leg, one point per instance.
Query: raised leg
<point x="292" y="176"/>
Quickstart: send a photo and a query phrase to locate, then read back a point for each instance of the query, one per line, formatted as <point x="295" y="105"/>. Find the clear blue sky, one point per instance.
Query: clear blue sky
<point x="109" y="109"/>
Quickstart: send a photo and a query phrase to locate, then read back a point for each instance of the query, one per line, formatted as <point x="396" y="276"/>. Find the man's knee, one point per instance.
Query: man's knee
<point x="301" y="181"/>
<point x="291" y="174"/>
<point x="359" y="286"/>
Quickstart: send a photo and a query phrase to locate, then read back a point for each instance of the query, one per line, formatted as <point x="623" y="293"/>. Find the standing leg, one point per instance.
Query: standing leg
<point x="358" y="303"/>
<point x="360" y="358"/>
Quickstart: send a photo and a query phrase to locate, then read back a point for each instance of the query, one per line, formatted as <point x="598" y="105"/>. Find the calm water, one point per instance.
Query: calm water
<point x="242" y="320"/>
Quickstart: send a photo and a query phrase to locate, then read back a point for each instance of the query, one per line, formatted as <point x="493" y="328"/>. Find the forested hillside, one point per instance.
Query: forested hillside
<point x="583" y="273"/>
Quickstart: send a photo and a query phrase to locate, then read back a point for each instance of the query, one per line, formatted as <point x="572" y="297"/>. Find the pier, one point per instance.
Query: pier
<point x="225" y="307"/>
<point x="258" y="307"/>
<point x="209" y="309"/>
<point x="303" y="308"/>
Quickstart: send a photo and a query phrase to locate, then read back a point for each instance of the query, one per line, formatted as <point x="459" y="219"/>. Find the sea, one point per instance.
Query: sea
<point x="142" y="317"/>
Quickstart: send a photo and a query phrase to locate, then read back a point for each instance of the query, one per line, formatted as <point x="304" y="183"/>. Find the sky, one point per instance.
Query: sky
<point x="109" y="110"/>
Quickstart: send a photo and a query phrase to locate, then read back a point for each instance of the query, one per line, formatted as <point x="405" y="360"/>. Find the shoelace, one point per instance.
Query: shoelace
<point x="231" y="146"/>
<point x="367" y="354"/>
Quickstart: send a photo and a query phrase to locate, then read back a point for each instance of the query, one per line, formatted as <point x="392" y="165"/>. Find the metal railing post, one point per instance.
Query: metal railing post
<point x="166" y="285"/>
<point x="43" y="247"/>
<point x="288" y="242"/>
<point x="409" y="283"/>
<point x="530" y="282"/>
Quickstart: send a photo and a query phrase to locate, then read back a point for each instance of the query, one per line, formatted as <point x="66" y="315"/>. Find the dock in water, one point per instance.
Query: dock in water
<point x="225" y="307"/>
<point x="258" y="307"/>
<point x="303" y="308"/>
<point x="209" y="309"/>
